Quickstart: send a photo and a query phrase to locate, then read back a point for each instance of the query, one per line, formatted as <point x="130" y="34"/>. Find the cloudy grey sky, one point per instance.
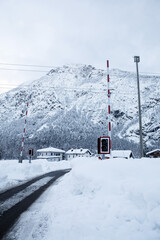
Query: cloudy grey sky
<point x="58" y="32"/>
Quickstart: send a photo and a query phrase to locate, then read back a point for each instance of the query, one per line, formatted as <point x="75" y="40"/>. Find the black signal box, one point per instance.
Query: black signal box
<point x="30" y="152"/>
<point x="104" y="145"/>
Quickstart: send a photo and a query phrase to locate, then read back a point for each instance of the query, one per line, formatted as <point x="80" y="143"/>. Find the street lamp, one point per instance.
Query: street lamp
<point x="137" y="60"/>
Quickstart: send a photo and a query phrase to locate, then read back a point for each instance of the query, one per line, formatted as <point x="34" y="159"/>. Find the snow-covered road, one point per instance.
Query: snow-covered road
<point x="16" y="200"/>
<point x="13" y="173"/>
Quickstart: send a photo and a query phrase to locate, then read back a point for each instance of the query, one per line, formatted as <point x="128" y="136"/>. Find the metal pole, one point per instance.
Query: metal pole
<point x="137" y="60"/>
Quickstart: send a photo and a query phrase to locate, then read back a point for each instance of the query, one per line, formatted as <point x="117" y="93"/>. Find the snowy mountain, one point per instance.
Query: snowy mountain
<point x="68" y="108"/>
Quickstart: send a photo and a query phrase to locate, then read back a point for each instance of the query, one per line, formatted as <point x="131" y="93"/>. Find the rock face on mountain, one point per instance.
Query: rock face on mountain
<point x="68" y="108"/>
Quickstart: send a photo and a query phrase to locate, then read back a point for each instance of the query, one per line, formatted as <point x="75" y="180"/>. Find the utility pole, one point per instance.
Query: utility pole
<point x="137" y="60"/>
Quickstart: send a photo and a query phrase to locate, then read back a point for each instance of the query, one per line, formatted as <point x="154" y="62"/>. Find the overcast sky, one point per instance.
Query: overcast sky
<point x="59" y="32"/>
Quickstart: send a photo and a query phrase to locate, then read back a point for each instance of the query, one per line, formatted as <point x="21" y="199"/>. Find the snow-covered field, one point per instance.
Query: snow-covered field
<point x="99" y="199"/>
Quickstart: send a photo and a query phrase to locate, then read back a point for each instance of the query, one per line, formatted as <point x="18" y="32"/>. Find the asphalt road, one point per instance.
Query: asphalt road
<point x="15" y="201"/>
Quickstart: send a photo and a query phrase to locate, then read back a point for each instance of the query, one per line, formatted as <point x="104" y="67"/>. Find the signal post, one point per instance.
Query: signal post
<point x="104" y="143"/>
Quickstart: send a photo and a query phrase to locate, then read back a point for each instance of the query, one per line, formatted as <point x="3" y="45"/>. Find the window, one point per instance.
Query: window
<point x="57" y="154"/>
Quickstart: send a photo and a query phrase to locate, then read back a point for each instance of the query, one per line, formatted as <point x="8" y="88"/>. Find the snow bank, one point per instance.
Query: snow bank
<point x="111" y="199"/>
<point x="13" y="173"/>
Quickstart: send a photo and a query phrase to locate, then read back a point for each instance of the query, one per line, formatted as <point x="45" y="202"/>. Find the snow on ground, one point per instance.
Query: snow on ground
<point x="13" y="173"/>
<point x="116" y="199"/>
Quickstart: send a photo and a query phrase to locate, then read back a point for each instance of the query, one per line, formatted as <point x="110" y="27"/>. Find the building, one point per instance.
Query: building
<point x="122" y="154"/>
<point x="154" y="154"/>
<point x="72" y="153"/>
<point x="51" y="154"/>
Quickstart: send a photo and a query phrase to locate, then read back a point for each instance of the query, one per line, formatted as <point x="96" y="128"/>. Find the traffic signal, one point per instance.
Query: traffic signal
<point x="30" y="152"/>
<point x="104" y="145"/>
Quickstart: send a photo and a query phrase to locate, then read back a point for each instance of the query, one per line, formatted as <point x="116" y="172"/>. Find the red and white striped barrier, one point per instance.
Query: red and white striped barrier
<point x="109" y="106"/>
<point x="24" y="130"/>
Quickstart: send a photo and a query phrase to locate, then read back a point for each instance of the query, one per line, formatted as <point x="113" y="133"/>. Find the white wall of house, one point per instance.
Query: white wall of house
<point x="51" y="154"/>
<point x="75" y="154"/>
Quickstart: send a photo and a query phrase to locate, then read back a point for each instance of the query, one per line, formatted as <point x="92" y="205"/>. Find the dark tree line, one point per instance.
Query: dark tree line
<point x="72" y="130"/>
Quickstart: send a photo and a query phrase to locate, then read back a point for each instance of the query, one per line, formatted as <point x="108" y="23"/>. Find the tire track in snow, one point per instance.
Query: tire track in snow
<point x="18" y="197"/>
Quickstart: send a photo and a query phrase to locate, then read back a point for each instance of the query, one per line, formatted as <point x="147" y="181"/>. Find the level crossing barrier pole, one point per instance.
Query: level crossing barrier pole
<point x="109" y="106"/>
<point x="24" y="130"/>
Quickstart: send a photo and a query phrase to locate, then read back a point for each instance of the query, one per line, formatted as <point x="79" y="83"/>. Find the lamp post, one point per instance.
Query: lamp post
<point x="137" y="60"/>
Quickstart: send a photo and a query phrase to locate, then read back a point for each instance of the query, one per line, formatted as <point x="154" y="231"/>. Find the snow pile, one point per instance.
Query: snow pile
<point x="13" y="173"/>
<point x="112" y="199"/>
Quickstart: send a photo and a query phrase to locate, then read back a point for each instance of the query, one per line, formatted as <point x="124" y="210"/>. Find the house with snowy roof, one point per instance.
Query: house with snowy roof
<point x="51" y="154"/>
<point x="81" y="152"/>
<point x="122" y="154"/>
<point x="154" y="154"/>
